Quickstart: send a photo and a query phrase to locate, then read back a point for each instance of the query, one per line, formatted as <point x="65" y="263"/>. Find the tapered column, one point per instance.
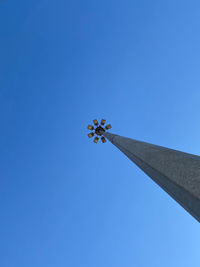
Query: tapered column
<point x="178" y="173"/>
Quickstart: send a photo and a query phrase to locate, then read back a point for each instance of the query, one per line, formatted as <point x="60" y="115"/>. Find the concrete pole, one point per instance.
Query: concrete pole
<point x="176" y="172"/>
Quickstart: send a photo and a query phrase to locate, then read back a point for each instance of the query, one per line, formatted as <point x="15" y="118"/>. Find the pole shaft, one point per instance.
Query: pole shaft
<point x="176" y="172"/>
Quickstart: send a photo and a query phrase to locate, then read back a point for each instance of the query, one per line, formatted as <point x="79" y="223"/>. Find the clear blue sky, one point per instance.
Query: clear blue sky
<point x="65" y="201"/>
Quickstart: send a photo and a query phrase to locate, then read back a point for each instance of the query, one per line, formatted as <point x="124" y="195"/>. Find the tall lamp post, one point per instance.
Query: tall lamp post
<point x="176" y="172"/>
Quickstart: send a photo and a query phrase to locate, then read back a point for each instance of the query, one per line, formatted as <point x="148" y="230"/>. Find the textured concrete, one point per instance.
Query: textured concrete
<point x="178" y="173"/>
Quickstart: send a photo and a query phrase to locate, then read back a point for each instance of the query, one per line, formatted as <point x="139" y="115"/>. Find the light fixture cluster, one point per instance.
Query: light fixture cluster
<point x="97" y="130"/>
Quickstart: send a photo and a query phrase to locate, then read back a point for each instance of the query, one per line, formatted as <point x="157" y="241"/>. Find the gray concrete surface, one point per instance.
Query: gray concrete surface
<point x="178" y="173"/>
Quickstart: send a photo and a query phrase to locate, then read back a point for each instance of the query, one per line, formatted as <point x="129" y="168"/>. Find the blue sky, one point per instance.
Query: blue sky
<point x="65" y="201"/>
